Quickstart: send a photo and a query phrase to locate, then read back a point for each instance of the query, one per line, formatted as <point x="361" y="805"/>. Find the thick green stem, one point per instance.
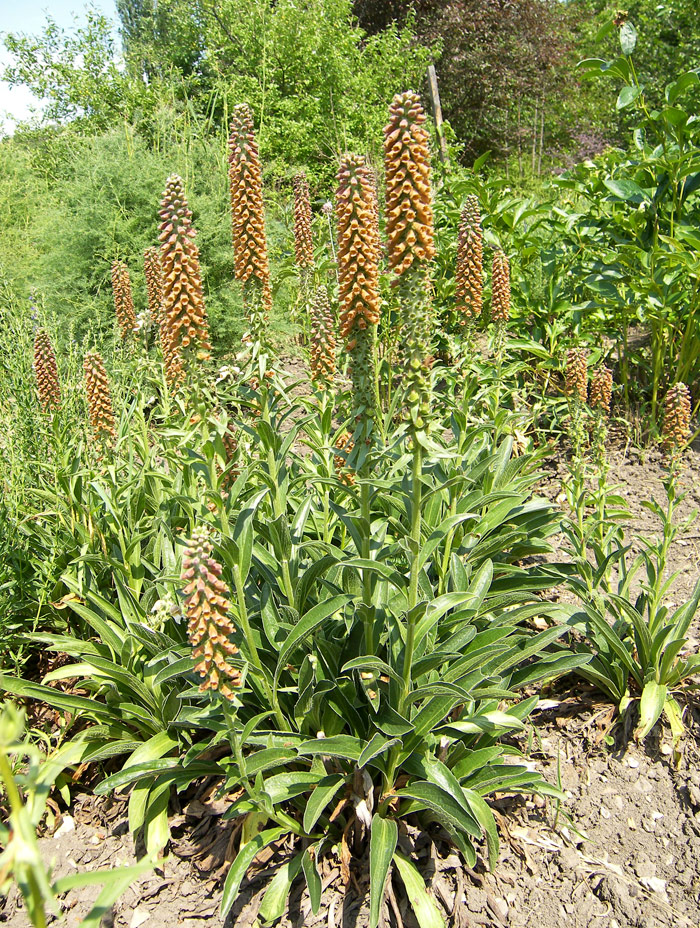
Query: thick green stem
<point x="417" y="489"/>
<point x="253" y="655"/>
<point x="367" y="605"/>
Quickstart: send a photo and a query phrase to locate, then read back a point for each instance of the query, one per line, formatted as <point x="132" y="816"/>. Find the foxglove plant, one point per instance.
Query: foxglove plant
<point x="248" y="217"/>
<point x="46" y="372"/>
<point x="186" y="323"/>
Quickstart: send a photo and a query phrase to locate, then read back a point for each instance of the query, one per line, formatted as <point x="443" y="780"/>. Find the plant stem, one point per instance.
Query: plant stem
<point x="417" y="489"/>
<point x="253" y="651"/>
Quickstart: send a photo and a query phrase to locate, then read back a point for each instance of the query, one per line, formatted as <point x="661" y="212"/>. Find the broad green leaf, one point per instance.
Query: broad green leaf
<point x="628" y="38"/>
<point x="378" y="745"/>
<point x="313" y="879"/>
<point x="114" y="884"/>
<point x="336" y="746"/>
<point x="57" y="698"/>
<point x="443" y="805"/>
<point x="484" y="816"/>
<point x="243" y="860"/>
<point x="306" y="625"/>
<point x="651" y="706"/>
<point x="276" y="898"/>
<point x="318" y="800"/>
<point x="423" y="905"/>
<point x="384" y="835"/>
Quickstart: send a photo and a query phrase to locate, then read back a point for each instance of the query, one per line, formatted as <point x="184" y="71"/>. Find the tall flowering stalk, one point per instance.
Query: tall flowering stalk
<point x="248" y="217"/>
<point x="576" y="389"/>
<point x="410" y="249"/>
<point x="410" y="242"/>
<point x="208" y="624"/>
<point x="500" y="300"/>
<point x="358" y="274"/>
<point x="600" y="400"/>
<point x="46" y="372"/>
<point x="184" y="323"/>
<point x="99" y="400"/>
<point x="153" y="272"/>
<point x="123" y="299"/>
<point x="675" y="433"/>
<point x="676" y="427"/>
<point x="322" y="339"/>
<point x="469" y="270"/>
<point x="303" y="245"/>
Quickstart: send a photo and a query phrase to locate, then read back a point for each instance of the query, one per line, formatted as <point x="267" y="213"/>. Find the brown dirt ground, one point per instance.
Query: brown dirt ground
<point x="622" y="852"/>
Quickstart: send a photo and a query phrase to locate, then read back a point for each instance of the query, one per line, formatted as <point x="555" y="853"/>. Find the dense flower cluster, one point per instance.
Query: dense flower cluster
<point x="208" y="625"/>
<point x="322" y="338"/>
<point x="252" y="266"/>
<point x="677" y="409"/>
<point x="303" y="244"/>
<point x="500" y="288"/>
<point x="185" y="316"/>
<point x="576" y="386"/>
<point x="601" y="389"/>
<point x="469" y="271"/>
<point x="345" y="445"/>
<point x="46" y="372"/>
<point x="99" y="399"/>
<point x="409" y="213"/>
<point x="358" y="276"/>
<point x="153" y="272"/>
<point x="123" y="299"/>
<point x="410" y="243"/>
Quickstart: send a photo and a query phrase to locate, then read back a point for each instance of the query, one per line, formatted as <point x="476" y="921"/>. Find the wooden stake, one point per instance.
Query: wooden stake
<point x="437" y="112"/>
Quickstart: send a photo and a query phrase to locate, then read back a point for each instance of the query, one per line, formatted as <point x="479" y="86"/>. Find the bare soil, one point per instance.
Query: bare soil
<point x="622" y="852"/>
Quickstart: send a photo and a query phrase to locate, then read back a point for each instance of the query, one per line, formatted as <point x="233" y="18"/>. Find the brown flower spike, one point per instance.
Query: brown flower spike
<point x="46" y="372"/>
<point x="410" y="242"/>
<point x="358" y="276"/>
<point x="123" y="300"/>
<point x="677" y="409"/>
<point x="409" y="213"/>
<point x="183" y="299"/>
<point x="153" y="272"/>
<point x="576" y="386"/>
<point x="248" y="216"/>
<point x="469" y="271"/>
<point x="500" y="288"/>
<point x="601" y="390"/>
<point x="345" y="445"/>
<point x="208" y="625"/>
<point x="322" y="339"/>
<point x="99" y="399"/>
<point x="303" y="244"/>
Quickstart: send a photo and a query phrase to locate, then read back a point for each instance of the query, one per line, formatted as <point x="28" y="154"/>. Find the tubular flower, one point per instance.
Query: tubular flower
<point x="410" y="238"/>
<point x="601" y="390"/>
<point x="183" y="301"/>
<point x="303" y="244"/>
<point x="153" y="272"/>
<point x="500" y="288"/>
<point x="677" y="408"/>
<point x="208" y="625"/>
<point x="123" y="300"/>
<point x="345" y="445"/>
<point x="322" y="338"/>
<point x="469" y="272"/>
<point x="358" y="276"/>
<point x="99" y="399"/>
<point x="248" y="215"/>
<point x="576" y="386"/>
<point x="46" y="372"/>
